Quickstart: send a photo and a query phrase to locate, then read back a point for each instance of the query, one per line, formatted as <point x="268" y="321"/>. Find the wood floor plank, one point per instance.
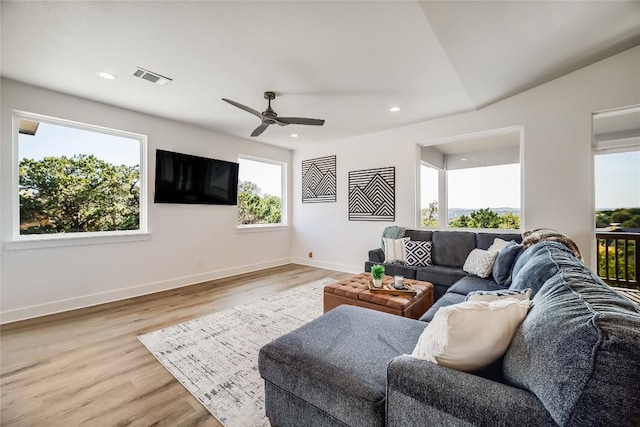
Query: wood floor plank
<point x="87" y="367"/>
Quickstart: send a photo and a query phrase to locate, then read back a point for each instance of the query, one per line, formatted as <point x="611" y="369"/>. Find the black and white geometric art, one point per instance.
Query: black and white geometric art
<point x="372" y="195"/>
<point x="319" y="180"/>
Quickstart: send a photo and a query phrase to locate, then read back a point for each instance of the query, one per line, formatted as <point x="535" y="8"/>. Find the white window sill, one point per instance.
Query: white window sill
<point x="75" y="239"/>
<point x="259" y="228"/>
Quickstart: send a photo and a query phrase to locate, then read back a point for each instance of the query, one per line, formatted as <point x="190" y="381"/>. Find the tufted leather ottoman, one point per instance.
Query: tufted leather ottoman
<point x="355" y="291"/>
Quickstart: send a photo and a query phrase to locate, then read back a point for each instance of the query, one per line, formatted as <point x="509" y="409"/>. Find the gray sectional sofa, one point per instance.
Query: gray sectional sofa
<point x="448" y="254"/>
<point x="574" y="361"/>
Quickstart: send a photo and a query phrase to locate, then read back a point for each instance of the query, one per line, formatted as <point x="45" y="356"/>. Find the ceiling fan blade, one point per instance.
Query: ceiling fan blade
<point x="244" y="107"/>
<point x="257" y="131"/>
<point x="299" y="121"/>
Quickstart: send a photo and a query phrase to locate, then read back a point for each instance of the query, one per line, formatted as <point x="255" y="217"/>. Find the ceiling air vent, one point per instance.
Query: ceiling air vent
<point x="151" y="76"/>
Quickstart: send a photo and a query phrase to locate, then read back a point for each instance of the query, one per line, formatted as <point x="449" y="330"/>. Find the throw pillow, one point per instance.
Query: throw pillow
<point x="394" y="250"/>
<point x="392" y="232"/>
<point x="498" y="244"/>
<point x="503" y="266"/>
<point x="488" y="296"/>
<point x="480" y="262"/>
<point x="471" y="335"/>
<point x="417" y="253"/>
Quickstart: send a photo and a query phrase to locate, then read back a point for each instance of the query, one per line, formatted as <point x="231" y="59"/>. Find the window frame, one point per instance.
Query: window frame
<point x="32" y="241"/>
<point x="284" y="217"/>
<point x="443" y="184"/>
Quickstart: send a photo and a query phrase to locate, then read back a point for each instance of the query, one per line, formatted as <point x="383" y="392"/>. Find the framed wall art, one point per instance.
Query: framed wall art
<point x="319" y="180"/>
<point x="372" y="194"/>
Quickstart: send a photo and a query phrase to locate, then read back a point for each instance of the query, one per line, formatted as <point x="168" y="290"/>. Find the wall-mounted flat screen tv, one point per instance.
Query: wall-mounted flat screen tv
<point x="183" y="178"/>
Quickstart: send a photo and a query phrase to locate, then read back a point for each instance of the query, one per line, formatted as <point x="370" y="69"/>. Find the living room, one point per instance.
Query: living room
<point x="190" y="244"/>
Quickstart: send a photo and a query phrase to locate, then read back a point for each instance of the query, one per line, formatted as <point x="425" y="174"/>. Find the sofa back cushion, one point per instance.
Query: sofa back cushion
<point x="577" y="349"/>
<point x="451" y="248"/>
<point x="484" y="240"/>
<point x="536" y="265"/>
<point x="418" y="234"/>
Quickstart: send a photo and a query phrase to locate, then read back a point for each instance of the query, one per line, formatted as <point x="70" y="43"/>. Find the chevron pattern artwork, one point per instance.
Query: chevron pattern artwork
<point x="319" y="180"/>
<point x="372" y="195"/>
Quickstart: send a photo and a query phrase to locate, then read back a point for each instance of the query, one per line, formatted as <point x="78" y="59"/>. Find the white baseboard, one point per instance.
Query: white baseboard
<point x="131" y="292"/>
<point x="329" y="265"/>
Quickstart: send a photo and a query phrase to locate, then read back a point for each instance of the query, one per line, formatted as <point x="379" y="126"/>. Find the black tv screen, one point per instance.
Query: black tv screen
<point x="183" y="178"/>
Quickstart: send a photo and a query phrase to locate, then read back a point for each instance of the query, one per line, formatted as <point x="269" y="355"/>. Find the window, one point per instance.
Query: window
<point x="484" y="197"/>
<point x="617" y="188"/>
<point x="472" y="181"/>
<point x="76" y="180"/>
<point x="429" y="196"/>
<point x="616" y="149"/>
<point x="261" y="193"/>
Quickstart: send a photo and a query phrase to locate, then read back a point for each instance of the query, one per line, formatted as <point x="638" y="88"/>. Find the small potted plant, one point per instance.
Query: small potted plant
<point x="377" y="273"/>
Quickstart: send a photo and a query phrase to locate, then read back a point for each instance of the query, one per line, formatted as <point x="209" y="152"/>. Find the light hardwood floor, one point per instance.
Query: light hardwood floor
<point x="87" y="368"/>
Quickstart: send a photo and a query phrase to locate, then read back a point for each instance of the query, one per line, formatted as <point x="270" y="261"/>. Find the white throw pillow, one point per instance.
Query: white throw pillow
<point x="480" y="262"/>
<point x="497" y="245"/>
<point x="472" y="334"/>
<point x="520" y="295"/>
<point x="394" y="250"/>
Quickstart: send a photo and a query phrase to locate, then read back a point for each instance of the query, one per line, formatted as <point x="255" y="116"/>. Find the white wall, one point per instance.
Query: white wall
<point x="556" y="167"/>
<point x="47" y="280"/>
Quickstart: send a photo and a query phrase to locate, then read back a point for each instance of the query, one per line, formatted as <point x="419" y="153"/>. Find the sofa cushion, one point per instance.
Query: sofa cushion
<point x="525" y="256"/>
<point x="419" y="234"/>
<point x="471" y="283"/>
<point x="447" y="299"/>
<point x="442" y="277"/>
<point x="471" y="335"/>
<point x="451" y="248"/>
<point x="417" y="253"/>
<point x="503" y="266"/>
<point x="577" y="350"/>
<point x="539" y="267"/>
<point x="338" y="362"/>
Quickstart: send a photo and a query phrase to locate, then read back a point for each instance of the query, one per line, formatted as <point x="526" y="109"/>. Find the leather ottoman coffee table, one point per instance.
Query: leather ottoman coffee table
<point x="355" y="291"/>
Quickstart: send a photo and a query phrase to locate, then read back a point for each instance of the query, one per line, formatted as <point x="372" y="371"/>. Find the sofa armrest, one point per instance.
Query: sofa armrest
<point x="376" y="255"/>
<point x="450" y="397"/>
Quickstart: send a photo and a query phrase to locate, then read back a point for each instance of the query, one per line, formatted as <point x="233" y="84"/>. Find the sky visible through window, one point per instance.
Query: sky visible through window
<point x="54" y="141"/>
<point x="617" y="180"/>
<point x="475" y="188"/>
<point x="268" y="176"/>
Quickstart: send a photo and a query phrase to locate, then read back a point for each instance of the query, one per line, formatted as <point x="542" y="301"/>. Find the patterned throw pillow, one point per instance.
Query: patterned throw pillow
<point x="417" y="253"/>
<point x="394" y="250"/>
<point x="488" y="296"/>
<point x="480" y="262"/>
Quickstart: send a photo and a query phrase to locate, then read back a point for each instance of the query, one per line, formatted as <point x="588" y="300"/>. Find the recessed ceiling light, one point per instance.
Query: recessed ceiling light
<point x="294" y="135"/>
<point x="107" y="76"/>
<point x="463" y="159"/>
<point x="394" y="109"/>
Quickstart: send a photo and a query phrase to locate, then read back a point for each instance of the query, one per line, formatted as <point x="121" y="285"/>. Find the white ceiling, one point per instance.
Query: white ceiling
<point x="345" y="62"/>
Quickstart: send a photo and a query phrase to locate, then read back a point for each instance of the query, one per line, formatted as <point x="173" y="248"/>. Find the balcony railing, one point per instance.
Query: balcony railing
<point x="618" y="258"/>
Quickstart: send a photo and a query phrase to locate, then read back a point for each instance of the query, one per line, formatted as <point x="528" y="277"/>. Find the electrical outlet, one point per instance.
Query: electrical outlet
<point x="198" y="261"/>
<point x="310" y="254"/>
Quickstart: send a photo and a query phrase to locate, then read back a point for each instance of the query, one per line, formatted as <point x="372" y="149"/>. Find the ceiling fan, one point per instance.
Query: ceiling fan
<point x="269" y="117"/>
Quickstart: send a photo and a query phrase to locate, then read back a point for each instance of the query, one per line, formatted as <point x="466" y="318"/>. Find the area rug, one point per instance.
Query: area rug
<point x="215" y="357"/>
